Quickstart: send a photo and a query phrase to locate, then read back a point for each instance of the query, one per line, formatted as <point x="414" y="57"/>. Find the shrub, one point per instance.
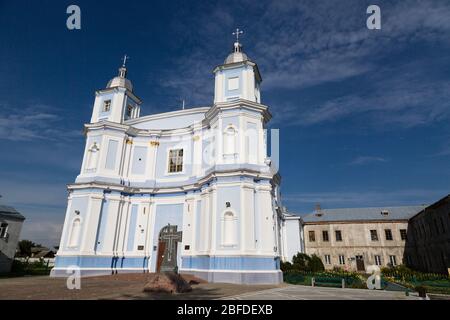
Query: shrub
<point x="286" y="266"/>
<point x="316" y="264"/>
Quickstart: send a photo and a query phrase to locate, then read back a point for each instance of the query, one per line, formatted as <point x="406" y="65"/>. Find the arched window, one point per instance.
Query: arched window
<point x="229" y="140"/>
<point x="92" y="157"/>
<point x="75" y="233"/>
<point x="229" y="229"/>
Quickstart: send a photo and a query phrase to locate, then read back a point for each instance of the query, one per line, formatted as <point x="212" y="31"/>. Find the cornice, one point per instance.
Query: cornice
<point x="211" y="177"/>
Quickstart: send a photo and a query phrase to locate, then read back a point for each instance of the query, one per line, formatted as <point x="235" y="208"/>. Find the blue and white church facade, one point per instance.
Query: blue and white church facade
<point x="192" y="190"/>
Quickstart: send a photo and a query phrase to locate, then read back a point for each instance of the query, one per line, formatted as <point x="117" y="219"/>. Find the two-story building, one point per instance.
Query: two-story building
<point x="10" y="226"/>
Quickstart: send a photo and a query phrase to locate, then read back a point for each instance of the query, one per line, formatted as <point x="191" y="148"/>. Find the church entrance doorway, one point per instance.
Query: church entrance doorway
<point x="167" y="248"/>
<point x="360" y="263"/>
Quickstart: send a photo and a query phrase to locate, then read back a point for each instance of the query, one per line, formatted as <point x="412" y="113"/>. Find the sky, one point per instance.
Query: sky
<point x="363" y="114"/>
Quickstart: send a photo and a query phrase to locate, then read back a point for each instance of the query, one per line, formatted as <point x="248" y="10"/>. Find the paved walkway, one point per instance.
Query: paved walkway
<point x="294" y="292"/>
<point x="130" y="286"/>
<point x="121" y="286"/>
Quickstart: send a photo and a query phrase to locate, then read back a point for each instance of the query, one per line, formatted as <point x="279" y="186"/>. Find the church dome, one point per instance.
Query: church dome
<point x="237" y="55"/>
<point x="120" y="80"/>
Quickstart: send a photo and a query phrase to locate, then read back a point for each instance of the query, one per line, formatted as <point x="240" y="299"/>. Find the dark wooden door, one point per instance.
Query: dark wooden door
<point x="360" y="263"/>
<point x="161" y="250"/>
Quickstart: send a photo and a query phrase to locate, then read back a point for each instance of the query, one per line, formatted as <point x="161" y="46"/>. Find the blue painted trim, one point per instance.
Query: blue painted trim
<point x="101" y="262"/>
<point x="230" y="263"/>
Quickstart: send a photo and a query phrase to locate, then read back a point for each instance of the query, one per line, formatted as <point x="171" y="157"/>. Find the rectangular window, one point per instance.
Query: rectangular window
<point x="129" y="111"/>
<point x="378" y="260"/>
<point x="325" y="236"/>
<point x="106" y="105"/>
<point x="338" y="235"/>
<point x="341" y="259"/>
<point x="374" y="235"/>
<point x="388" y="234"/>
<point x="312" y="236"/>
<point x="327" y="259"/>
<point x="3" y="230"/>
<point x="403" y="234"/>
<point x="176" y="160"/>
<point x="393" y="260"/>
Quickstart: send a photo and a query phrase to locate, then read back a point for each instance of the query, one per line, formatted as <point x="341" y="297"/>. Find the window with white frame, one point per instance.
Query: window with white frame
<point x="378" y="260"/>
<point x="176" y="160"/>
<point x="327" y="259"/>
<point x="393" y="260"/>
<point x="3" y="230"/>
<point x="341" y="259"/>
<point x="106" y="105"/>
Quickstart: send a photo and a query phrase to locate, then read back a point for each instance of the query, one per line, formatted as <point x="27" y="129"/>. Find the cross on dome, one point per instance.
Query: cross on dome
<point x="125" y="58"/>
<point x="237" y="33"/>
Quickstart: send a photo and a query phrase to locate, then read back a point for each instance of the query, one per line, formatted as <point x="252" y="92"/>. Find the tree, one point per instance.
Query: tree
<point x="25" y="247"/>
<point x="316" y="264"/>
<point x="301" y="261"/>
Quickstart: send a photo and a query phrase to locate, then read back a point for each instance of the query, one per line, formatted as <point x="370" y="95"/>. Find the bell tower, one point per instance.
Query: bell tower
<point x="117" y="102"/>
<point x="238" y="77"/>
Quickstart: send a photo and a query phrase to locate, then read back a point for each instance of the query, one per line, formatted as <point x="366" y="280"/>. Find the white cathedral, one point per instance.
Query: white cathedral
<point x="192" y="190"/>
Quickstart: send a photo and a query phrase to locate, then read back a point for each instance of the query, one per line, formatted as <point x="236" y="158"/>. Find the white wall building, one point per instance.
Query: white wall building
<point x="192" y="190"/>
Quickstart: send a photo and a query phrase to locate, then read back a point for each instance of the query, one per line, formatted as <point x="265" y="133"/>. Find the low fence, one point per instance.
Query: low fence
<point x="324" y="279"/>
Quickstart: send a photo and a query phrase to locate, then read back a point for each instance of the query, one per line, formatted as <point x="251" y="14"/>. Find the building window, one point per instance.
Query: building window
<point x="388" y="234"/>
<point x="176" y="160"/>
<point x="341" y="259"/>
<point x="106" y="105"/>
<point x="403" y="234"/>
<point x="327" y="259"/>
<point x="393" y="260"/>
<point x="378" y="260"/>
<point x="374" y="235"/>
<point x="129" y="111"/>
<point x="312" y="236"/>
<point x="3" y="230"/>
<point x="338" y="235"/>
<point x="325" y="236"/>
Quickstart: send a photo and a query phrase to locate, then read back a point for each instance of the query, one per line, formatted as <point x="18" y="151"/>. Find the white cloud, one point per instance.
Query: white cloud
<point x="34" y="122"/>
<point x="339" y="199"/>
<point x="362" y="160"/>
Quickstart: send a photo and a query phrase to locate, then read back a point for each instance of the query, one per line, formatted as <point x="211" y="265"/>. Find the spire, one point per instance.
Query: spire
<point x="237" y="46"/>
<point x="121" y="80"/>
<point x="237" y="55"/>
<point x="123" y="68"/>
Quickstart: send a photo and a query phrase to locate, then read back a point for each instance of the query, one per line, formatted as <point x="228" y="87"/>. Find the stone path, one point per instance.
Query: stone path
<point x="130" y="286"/>
<point x="294" y="292"/>
<point x="121" y="286"/>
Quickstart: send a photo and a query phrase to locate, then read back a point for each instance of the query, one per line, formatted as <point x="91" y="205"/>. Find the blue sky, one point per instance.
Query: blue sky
<point x="363" y="115"/>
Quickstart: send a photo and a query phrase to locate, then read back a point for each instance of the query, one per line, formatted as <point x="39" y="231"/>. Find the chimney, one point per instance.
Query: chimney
<point x="318" y="210"/>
